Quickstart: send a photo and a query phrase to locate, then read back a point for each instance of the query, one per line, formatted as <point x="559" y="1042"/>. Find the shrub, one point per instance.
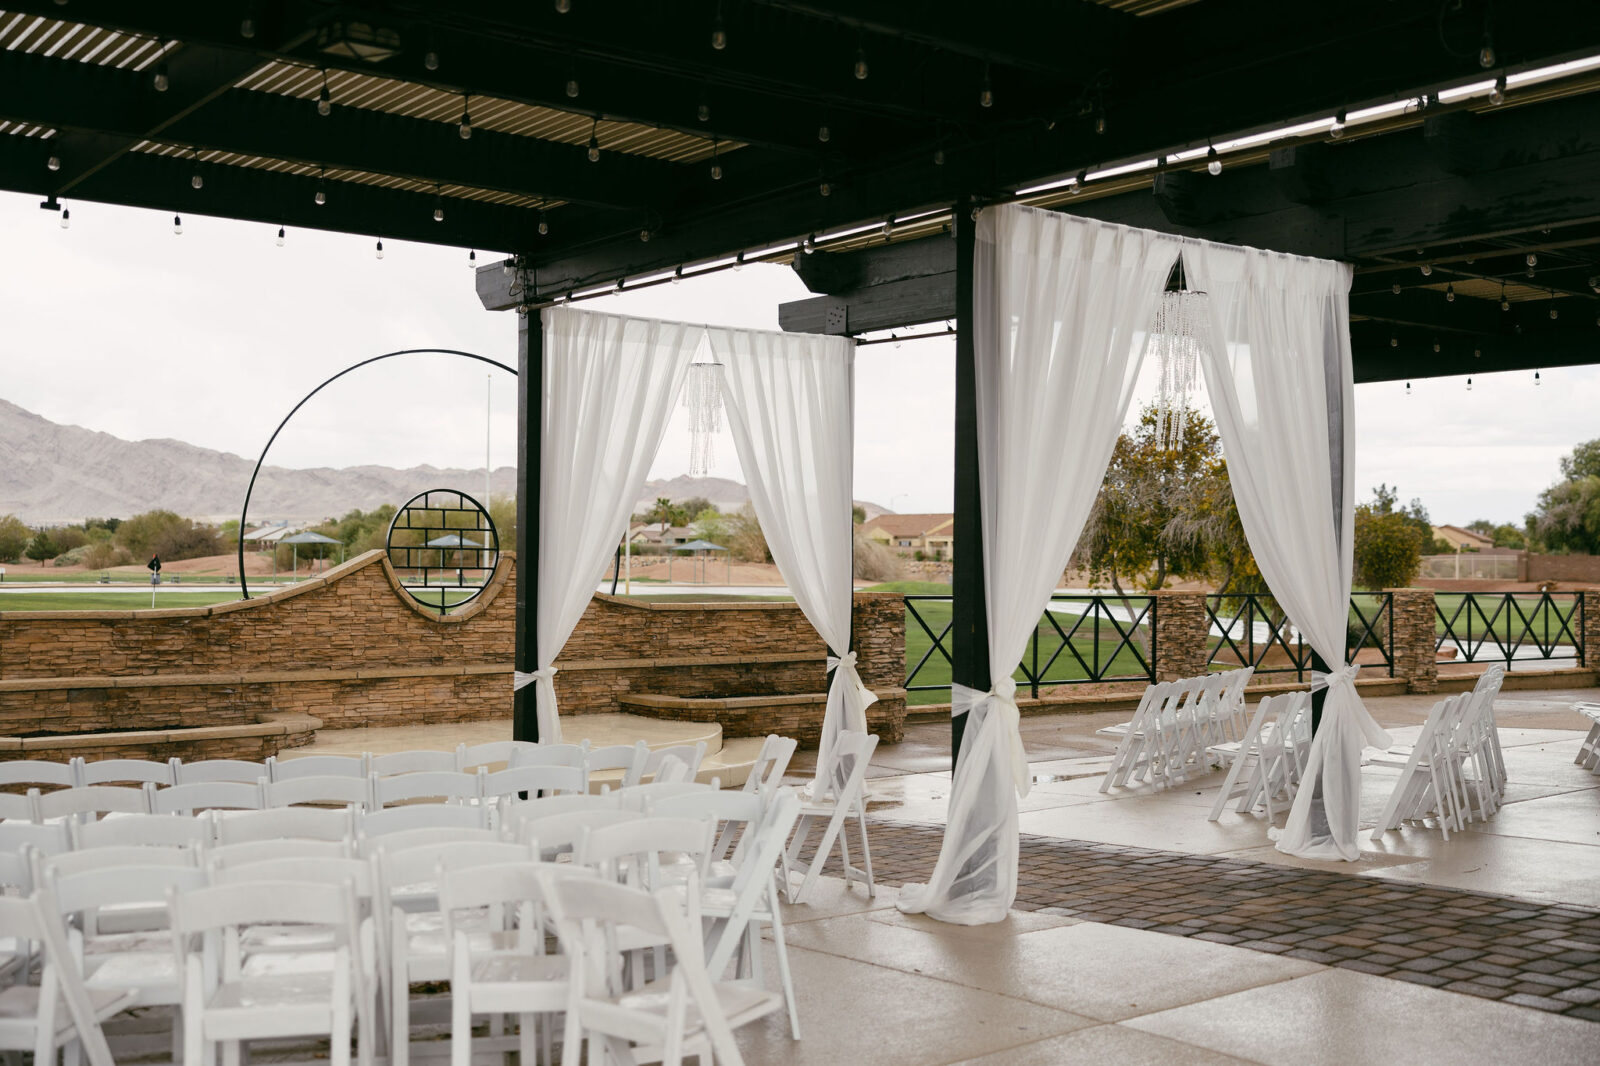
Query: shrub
<point x="14" y="538"/>
<point x="42" y="547"/>
<point x="874" y="561"/>
<point x="1388" y="550"/>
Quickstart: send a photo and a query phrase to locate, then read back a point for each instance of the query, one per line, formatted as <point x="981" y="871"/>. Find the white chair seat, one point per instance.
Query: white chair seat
<point x="20" y="1003"/>
<point x="741" y="1003"/>
<point x="298" y="1002"/>
<point x="133" y="971"/>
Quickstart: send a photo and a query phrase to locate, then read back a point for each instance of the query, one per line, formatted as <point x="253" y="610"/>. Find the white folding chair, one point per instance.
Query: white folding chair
<point x="15" y="808"/>
<point x="637" y="797"/>
<point x="556" y="834"/>
<point x="1423" y="787"/>
<point x="224" y="1003"/>
<point x="1136" y="736"/>
<point x="59" y="1010"/>
<point x="736" y="913"/>
<point x="122" y="771"/>
<point x="51" y="839"/>
<point x="549" y="755"/>
<point x="207" y="796"/>
<point x="1239" y="756"/>
<point x="88" y="802"/>
<point x="408" y="900"/>
<point x="221" y="856"/>
<point x="138" y="961"/>
<point x="447" y="787"/>
<point x="671" y="770"/>
<point x="320" y="790"/>
<point x="285" y="823"/>
<point x="736" y="813"/>
<point x="203" y="771"/>
<point x="624" y="760"/>
<point x="844" y="802"/>
<point x="37" y="772"/>
<point x="594" y="921"/>
<point x="771" y="763"/>
<point x="279" y="769"/>
<point x="377" y="824"/>
<point x="421" y="761"/>
<point x="508" y="970"/>
<point x="471" y="756"/>
<point x="1589" y="750"/>
<point x="141" y="830"/>
<point x="690" y="755"/>
<point x="533" y="780"/>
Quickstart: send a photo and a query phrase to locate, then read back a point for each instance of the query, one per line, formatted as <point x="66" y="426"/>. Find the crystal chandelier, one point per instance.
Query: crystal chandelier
<point x="702" y="395"/>
<point x="1177" y="336"/>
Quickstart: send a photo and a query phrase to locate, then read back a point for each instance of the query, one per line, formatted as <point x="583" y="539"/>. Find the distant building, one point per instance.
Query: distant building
<point x="660" y="535"/>
<point x="931" y="534"/>
<point x="1463" y="539"/>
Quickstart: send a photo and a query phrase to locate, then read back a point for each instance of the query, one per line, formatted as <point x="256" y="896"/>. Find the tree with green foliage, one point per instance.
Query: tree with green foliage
<point x="711" y="524"/>
<point x="858" y="514"/>
<point x="1389" y="540"/>
<point x="14" y="538"/>
<point x="1504" y="535"/>
<point x="745" y="538"/>
<point x="1164" y="513"/>
<point x="42" y="547"/>
<point x="1568" y="514"/>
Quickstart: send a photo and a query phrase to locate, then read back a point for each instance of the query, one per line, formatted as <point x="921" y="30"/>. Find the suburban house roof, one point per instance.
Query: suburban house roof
<point x="1455" y="534"/>
<point x="910" y="525"/>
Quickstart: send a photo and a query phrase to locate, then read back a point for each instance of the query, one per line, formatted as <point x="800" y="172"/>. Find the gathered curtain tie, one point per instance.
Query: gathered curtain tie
<point x="1342" y="675"/>
<point x="521" y="680"/>
<point x="858" y="697"/>
<point x="1001" y="705"/>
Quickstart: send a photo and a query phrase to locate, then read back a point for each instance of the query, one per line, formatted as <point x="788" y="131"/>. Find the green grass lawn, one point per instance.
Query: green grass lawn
<point x="709" y="597"/>
<point x="108" y="601"/>
<point x="936" y="671"/>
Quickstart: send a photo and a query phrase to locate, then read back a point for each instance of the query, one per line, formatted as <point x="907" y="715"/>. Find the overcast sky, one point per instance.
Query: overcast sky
<point x="210" y="337"/>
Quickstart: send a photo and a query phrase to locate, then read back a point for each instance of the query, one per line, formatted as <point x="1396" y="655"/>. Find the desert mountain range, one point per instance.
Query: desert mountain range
<point x="57" y="474"/>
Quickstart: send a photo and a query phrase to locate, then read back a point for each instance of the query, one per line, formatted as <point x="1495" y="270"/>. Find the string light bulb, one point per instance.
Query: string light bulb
<point x="644" y="235"/>
<point x="197" y="180"/>
<point x="430" y="59"/>
<point x="177" y="225"/>
<point x="159" y="81"/>
<point x="1079" y="183"/>
<point x="472" y="259"/>
<point x="1450" y="293"/>
<point x="378" y="253"/>
<point x="438" y="211"/>
<point x="1435" y="345"/>
<point x="563" y="6"/>
<point x="1427" y="269"/>
<point x="465" y="126"/>
<point x="861" y="64"/>
<point x="823" y="133"/>
<point x="738" y="261"/>
<point x="1536" y="379"/>
<point x="825" y="189"/>
<point x="572" y="88"/>
<point x="1213" y="161"/>
<point x="544" y="223"/>
<point x="1469" y="384"/>
<point x="1497" y="95"/>
<point x="1395" y="288"/>
<point x="716" y="164"/>
<point x="324" y="98"/>
<point x="809" y="245"/>
<point x="247" y="27"/>
<point x="66" y="220"/>
<point x="1486" y="53"/>
<point x="1337" y="129"/>
<point x="53" y="163"/>
<point x="321" y="196"/>
<point x="1100" y="122"/>
<point x="1531" y="259"/>
<point x="1408" y="388"/>
<point x="703" y="112"/>
<point x="594" y="141"/>
<point x="677" y="275"/>
<point x="938" y="157"/>
<point x="719" y="32"/>
<point x="1505" y="304"/>
<point x="1394" y="342"/>
<point x="986" y="94"/>
<point x="281" y="236"/>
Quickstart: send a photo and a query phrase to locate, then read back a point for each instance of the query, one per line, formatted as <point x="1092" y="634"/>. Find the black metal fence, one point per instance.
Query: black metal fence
<point x="1476" y="627"/>
<point x="1079" y="639"/>
<point x="1250" y="629"/>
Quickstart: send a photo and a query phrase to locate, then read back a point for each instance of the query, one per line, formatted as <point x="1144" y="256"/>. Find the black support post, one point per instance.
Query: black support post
<point x="969" y="631"/>
<point x="530" y="434"/>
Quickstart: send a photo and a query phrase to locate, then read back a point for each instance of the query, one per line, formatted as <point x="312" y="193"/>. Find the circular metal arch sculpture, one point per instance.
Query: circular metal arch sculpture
<point x="244" y="512"/>
<point x="438" y="540"/>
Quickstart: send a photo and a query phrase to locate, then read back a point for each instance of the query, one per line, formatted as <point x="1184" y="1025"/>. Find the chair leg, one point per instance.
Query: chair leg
<point x="399" y="1017"/>
<point x="527" y="1040"/>
<point x="866" y="851"/>
<point x="780" y="948"/>
<point x="824" y="846"/>
<point x="460" y="1028"/>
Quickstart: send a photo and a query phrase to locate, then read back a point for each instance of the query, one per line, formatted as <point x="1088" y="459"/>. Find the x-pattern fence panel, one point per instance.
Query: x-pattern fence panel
<point x="1247" y="629"/>
<point x="1079" y="639"/>
<point x="1479" y="627"/>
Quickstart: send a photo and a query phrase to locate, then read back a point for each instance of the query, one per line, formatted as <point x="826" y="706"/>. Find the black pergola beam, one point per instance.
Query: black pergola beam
<point x="162" y="183"/>
<point x="1567" y="343"/>
<point x="120" y="105"/>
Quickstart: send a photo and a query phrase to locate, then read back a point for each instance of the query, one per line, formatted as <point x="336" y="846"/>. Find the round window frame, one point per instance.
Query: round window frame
<point x="389" y="547"/>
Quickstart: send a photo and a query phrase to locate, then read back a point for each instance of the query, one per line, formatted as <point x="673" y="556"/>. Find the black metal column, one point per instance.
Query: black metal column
<point x="530" y="434"/>
<point x="969" y="631"/>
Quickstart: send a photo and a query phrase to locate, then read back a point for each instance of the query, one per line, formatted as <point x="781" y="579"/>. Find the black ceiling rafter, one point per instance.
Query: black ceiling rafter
<point x="159" y="182"/>
<point x="111" y="103"/>
<point x="195" y="77"/>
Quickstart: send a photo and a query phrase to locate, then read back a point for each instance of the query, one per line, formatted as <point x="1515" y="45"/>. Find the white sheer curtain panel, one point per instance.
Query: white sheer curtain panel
<point x="790" y="401"/>
<point x="1061" y="306"/>
<point x="1278" y="367"/>
<point x="609" y="386"/>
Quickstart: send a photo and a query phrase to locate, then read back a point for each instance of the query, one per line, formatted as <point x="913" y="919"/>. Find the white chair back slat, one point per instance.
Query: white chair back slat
<point x="282" y="769"/>
<point x="204" y="771"/>
<point x="450" y="786"/>
<point x="319" y="789"/>
<point x="207" y="795"/>
<point x="772" y="763"/>
<point x="412" y="762"/>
